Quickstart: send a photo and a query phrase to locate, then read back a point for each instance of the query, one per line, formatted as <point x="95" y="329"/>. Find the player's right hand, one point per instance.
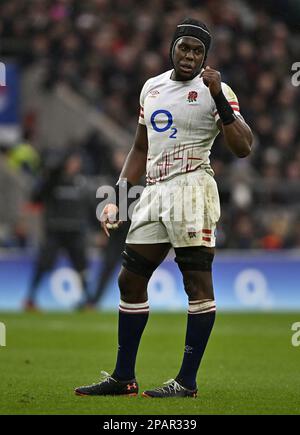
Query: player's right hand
<point x="109" y="219"/>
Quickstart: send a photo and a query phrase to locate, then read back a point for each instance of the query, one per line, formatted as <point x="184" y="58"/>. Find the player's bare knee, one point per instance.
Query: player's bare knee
<point x="198" y="285"/>
<point x="195" y="264"/>
<point x="132" y="288"/>
<point x="137" y="264"/>
<point x="192" y="288"/>
<point x="126" y="283"/>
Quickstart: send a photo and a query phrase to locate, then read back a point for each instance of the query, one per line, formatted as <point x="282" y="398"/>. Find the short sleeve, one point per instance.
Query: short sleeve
<point x="142" y="100"/>
<point x="232" y="100"/>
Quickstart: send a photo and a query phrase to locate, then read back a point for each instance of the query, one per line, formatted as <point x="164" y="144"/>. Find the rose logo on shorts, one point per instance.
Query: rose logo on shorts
<point x="192" y="96"/>
<point x="192" y="233"/>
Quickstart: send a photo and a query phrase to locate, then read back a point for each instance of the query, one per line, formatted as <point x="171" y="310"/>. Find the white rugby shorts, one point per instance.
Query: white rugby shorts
<point x="182" y="211"/>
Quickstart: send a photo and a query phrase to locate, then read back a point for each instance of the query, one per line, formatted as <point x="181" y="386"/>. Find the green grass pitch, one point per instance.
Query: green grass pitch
<point x="250" y="366"/>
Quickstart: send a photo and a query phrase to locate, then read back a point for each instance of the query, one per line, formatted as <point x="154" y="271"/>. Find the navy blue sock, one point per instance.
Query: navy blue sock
<point x="132" y="322"/>
<point x="201" y="317"/>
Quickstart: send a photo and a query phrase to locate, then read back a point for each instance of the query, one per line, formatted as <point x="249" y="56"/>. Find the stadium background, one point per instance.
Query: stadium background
<point x="74" y="70"/>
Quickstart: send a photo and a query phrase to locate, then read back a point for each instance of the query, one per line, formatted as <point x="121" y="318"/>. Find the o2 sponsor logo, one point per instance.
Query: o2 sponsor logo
<point x="161" y="121"/>
<point x="163" y="290"/>
<point x="251" y="288"/>
<point x="66" y="286"/>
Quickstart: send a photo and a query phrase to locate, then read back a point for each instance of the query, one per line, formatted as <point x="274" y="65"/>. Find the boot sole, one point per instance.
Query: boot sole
<point x="77" y="393"/>
<point x="152" y="397"/>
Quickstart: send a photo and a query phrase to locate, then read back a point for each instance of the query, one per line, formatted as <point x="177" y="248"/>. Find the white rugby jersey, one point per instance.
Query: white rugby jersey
<point x="180" y="117"/>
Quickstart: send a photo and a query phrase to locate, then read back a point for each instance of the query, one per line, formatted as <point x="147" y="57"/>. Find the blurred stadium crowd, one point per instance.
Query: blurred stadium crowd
<point x="105" y="50"/>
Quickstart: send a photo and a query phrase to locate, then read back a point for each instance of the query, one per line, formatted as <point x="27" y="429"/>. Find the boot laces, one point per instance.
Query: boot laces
<point x="106" y="377"/>
<point x="170" y="386"/>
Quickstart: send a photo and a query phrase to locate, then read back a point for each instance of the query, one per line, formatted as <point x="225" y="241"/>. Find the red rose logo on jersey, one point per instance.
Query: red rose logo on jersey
<point x="192" y="97"/>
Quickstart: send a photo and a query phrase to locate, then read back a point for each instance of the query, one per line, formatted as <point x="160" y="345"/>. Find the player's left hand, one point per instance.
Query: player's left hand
<point x="212" y="79"/>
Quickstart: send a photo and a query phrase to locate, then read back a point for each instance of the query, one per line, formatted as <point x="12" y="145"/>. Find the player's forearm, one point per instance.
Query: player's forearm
<point x="238" y="137"/>
<point x="135" y="166"/>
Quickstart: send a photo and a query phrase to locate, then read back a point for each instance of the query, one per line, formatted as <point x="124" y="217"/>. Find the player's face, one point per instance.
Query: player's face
<point x="188" y="58"/>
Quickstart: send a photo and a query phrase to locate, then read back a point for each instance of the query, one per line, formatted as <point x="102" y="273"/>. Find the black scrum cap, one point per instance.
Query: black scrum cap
<point x="194" y="28"/>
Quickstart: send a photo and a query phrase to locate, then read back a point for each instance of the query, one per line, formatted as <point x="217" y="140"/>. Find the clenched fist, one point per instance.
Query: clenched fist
<point x="212" y="79"/>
